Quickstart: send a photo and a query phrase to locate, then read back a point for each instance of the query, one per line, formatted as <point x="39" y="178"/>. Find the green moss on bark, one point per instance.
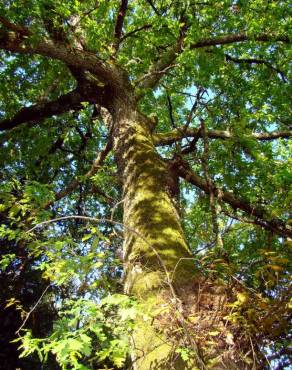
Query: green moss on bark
<point x="154" y="241"/>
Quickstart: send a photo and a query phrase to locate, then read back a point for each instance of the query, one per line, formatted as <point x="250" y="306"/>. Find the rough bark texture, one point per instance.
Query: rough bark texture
<point x="159" y="269"/>
<point x="154" y="240"/>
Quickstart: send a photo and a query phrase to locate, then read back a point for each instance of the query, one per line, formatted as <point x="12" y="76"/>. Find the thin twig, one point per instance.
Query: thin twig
<point x="210" y="184"/>
<point x="155" y="72"/>
<point x="178" y="262"/>
<point x="131" y="33"/>
<point x="31" y="311"/>
<point x="253" y="355"/>
<point x="257" y="61"/>
<point x="76" y="182"/>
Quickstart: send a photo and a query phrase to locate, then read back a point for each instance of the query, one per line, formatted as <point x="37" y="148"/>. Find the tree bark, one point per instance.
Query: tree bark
<point x="154" y="242"/>
<point x="159" y="268"/>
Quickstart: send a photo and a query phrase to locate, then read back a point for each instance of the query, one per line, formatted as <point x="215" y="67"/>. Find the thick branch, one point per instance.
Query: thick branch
<point x="14" y="27"/>
<point x="156" y="70"/>
<point x="178" y="134"/>
<point x="19" y="43"/>
<point x="120" y="19"/>
<point x="275" y="225"/>
<point x="36" y="113"/>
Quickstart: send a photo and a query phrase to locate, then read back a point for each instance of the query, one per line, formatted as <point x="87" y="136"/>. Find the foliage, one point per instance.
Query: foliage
<point x="87" y="333"/>
<point x="239" y="89"/>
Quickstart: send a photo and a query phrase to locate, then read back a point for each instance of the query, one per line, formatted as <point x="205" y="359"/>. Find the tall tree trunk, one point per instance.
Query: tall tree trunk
<point x="159" y="269"/>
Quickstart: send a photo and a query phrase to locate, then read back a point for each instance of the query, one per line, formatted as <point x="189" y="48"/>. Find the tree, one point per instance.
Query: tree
<point x="186" y="105"/>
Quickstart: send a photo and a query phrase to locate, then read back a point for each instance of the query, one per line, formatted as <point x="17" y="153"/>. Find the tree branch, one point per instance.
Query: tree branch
<point x="120" y="20"/>
<point x="239" y="37"/>
<point x="256" y="61"/>
<point x="131" y="33"/>
<point x="214" y="203"/>
<point x="178" y="134"/>
<point x="245" y="220"/>
<point x="19" y="43"/>
<point x="14" y="27"/>
<point x="153" y="7"/>
<point x="192" y="145"/>
<point x="31" y="310"/>
<point x="158" y="69"/>
<point x="275" y="225"/>
<point x="38" y="112"/>
<point x="151" y="79"/>
<point x="170" y="111"/>
<point x="76" y="182"/>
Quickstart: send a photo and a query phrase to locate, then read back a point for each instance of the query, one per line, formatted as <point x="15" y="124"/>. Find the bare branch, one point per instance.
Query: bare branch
<point x="192" y="145"/>
<point x="150" y="79"/>
<point x="31" y="311"/>
<point x="268" y="136"/>
<point x="98" y="190"/>
<point x="245" y="220"/>
<point x="170" y="110"/>
<point x="154" y="74"/>
<point x="180" y="133"/>
<point x="259" y="213"/>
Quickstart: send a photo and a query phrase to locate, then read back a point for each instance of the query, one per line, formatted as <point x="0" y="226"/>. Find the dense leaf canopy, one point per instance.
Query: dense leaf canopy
<point x="213" y="79"/>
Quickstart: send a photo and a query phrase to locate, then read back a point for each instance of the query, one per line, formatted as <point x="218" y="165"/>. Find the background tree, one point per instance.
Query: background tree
<point x="150" y="135"/>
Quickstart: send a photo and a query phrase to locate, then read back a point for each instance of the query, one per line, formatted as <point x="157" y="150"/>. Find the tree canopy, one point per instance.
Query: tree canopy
<point x="136" y="135"/>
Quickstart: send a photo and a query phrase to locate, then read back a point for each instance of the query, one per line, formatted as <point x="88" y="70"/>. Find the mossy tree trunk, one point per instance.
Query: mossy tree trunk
<point x="159" y="268"/>
<point x="154" y="240"/>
